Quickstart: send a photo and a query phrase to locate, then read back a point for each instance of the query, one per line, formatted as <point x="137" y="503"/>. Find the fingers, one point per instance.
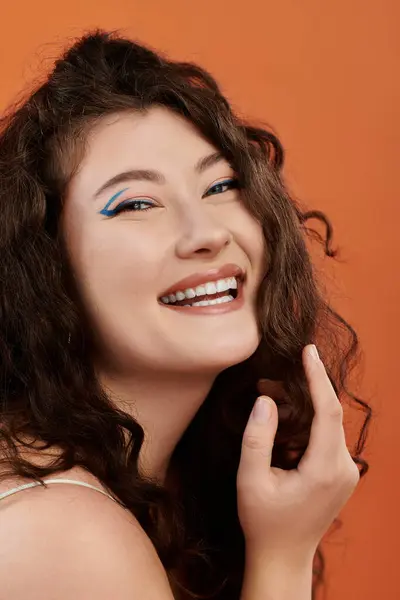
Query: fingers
<point x="258" y="437"/>
<point x="326" y="457"/>
<point x="327" y="445"/>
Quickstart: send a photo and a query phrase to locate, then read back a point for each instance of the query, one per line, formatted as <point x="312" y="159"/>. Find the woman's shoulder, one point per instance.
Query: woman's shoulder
<point x="39" y="458"/>
<point x="68" y="499"/>
<point x="16" y="490"/>
<point x="19" y="495"/>
<point x="71" y="541"/>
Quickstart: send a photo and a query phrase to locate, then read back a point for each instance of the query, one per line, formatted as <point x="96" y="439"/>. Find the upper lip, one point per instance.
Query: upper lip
<point x="229" y="270"/>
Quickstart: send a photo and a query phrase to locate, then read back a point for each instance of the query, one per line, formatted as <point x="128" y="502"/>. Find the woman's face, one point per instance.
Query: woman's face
<point x="177" y="221"/>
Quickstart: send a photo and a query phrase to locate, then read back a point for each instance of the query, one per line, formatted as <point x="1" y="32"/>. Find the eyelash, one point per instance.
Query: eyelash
<point x="128" y="204"/>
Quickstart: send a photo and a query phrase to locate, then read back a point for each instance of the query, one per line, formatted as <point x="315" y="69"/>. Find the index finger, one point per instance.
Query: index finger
<point x="327" y="437"/>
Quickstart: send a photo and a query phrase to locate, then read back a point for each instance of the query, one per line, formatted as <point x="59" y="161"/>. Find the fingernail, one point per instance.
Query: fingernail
<point x="261" y="409"/>
<point x="313" y="352"/>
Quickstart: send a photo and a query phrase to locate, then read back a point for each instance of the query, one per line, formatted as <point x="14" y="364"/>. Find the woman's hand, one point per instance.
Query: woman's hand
<point x="286" y="513"/>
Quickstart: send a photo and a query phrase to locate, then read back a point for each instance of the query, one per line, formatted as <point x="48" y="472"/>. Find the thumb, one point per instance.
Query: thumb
<point x="259" y="435"/>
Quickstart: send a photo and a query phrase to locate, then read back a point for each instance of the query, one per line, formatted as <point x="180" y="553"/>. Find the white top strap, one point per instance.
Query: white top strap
<point x="36" y="483"/>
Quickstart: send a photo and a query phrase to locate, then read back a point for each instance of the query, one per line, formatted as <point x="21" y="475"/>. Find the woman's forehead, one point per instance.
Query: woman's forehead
<point x="160" y="140"/>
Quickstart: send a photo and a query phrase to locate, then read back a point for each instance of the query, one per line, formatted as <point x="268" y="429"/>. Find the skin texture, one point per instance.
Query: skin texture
<point x="292" y="509"/>
<point x="159" y="364"/>
<point x="101" y="550"/>
<point x="285" y="513"/>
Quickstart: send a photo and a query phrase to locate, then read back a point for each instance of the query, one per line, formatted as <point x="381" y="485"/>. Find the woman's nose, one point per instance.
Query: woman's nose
<point x="202" y="235"/>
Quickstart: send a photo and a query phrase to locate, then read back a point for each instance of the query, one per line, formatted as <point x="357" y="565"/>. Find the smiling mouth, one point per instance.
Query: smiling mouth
<point x="214" y="293"/>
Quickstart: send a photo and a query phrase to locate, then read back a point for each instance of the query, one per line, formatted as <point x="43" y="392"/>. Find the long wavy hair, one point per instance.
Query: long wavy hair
<point x="48" y="388"/>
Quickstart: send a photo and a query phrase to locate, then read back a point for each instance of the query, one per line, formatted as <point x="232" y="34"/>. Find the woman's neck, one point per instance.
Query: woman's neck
<point x="163" y="406"/>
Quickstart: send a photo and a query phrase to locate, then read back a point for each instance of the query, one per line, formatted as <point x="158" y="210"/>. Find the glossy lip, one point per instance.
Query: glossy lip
<point x="229" y="270"/>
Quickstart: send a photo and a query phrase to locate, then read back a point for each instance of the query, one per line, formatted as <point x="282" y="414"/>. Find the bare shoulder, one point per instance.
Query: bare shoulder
<point x="68" y="541"/>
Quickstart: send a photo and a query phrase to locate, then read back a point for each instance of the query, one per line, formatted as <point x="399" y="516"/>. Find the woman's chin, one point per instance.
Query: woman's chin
<point x="221" y="354"/>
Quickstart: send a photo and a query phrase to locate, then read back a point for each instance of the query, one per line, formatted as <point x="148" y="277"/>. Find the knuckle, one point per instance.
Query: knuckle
<point x="336" y="411"/>
<point x="255" y="443"/>
<point x="352" y="475"/>
<point x="327" y="481"/>
<point x="320" y="479"/>
<point x="251" y="441"/>
<point x="346" y="476"/>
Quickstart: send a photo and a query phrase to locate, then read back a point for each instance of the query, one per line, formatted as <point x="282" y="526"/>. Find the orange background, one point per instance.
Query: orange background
<point x="326" y="76"/>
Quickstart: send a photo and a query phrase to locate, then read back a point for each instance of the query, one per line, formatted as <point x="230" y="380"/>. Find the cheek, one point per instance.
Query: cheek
<point x="249" y="235"/>
<point x="115" y="266"/>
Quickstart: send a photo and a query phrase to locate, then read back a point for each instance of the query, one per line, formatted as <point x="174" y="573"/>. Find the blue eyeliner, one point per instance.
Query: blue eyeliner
<point x="109" y="213"/>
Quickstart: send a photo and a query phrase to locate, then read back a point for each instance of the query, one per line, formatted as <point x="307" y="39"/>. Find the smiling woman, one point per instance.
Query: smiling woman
<point x="155" y="280"/>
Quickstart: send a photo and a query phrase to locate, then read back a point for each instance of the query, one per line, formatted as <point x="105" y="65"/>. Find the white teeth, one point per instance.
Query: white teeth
<point x="223" y="285"/>
<point x="200" y="290"/>
<point x="209" y="288"/>
<point x="190" y="293"/>
<point x="233" y="284"/>
<point x="221" y="300"/>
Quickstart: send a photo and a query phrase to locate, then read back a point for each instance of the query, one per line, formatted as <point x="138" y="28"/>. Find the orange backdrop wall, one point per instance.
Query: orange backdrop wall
<point x="326" y="76"/>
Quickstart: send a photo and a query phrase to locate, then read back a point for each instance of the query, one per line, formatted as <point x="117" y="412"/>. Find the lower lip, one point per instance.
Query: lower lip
<point x="212" y="309"/>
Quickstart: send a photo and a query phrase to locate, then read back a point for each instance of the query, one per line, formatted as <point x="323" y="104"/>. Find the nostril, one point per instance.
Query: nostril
<point x="203" y="251"/>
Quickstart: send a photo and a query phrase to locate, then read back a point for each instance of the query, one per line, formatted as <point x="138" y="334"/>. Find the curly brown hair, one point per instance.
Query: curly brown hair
<point x="48" y="387"/>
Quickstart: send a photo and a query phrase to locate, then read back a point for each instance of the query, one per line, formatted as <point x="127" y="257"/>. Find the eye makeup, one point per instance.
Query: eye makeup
<point x="109" y="213"/>
<point x="231" y="183"/>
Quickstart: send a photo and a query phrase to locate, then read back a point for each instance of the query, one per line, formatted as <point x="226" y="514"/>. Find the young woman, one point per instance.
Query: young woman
<point x="155" y="287"/>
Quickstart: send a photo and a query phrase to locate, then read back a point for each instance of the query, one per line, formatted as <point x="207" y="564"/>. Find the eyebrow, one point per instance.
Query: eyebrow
<point x="155" y="176"/>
